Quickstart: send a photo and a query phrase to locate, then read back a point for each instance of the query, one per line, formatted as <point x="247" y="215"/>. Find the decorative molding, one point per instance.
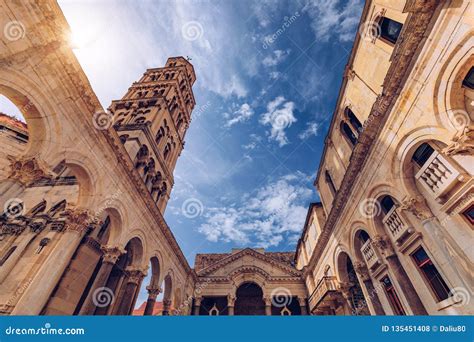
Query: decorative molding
<point x="418" y="207"/>
<point x="462" y="143"/>
<point x="27" y="171"/>
<point x="112" y="253"/>
<point x="411" y="40"/>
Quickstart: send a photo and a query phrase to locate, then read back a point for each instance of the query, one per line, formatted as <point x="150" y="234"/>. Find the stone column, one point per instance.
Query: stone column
<point x="302" y="303"/>
<point x="445" y="244"/>
<point x="197" y="305"/>
<point x="344" y="289"/>
<point x="363" y="273"/>
<point x="396" y="268"/>
<point x="133" y="280"/>
<point x="109" y="258"/>
<point x="15" y="256"/>
<point x="268" y="306"/>
<point x="43" y="283"/>
<point x="150" y="302"/>
<point x="230" y="305"/>
<point x="166" y="307"/>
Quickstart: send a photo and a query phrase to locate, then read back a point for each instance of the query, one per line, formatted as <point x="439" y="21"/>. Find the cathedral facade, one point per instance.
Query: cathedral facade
<point x="83" y="189"/>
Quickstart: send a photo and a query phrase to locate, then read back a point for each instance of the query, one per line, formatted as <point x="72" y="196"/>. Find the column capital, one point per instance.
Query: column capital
<point x="267" y="300"/>
<point x="166" y="303"/>
<point x="153" y="292"/>
<point x="111" y="254"/>
<point x="417" y="206"/>
<point x="231" y="300"/>
<point x="28" y="170"/>
<point x="79" y="219"/>
<point x="135" y="275"/>
<point x="301" y="301"/>
<point x="384" y="245"/>
<point x="361" y="270"/>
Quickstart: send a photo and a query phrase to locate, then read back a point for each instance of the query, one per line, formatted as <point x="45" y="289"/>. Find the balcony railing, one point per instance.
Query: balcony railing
<point x="371" y="255"/>
<point x="325" y="286"/>
<point x="396" y="224"/>
<point x="438" y="175"/>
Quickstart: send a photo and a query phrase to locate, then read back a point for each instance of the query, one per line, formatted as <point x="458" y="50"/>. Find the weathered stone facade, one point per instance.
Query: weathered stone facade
<point x="393" y="233"/>
<point x="84" y="189"/>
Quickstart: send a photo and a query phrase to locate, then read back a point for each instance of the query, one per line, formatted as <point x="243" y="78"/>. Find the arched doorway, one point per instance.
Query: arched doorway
<point x="249" y="300"/>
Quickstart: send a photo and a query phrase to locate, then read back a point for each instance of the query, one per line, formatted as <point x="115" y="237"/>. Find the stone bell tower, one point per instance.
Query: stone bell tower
<point x="152" y="119"/>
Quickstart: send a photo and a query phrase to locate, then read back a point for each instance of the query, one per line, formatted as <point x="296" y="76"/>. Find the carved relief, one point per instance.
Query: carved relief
<point x="27" y="171"/>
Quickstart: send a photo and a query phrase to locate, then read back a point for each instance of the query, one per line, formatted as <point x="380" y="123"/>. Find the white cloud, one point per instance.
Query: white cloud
<point x="311" y="129"/>
<point x="330" y="19"/>
<point x="254" y="141"/>
<point x="279" y="116"/>
<point x="274" y="214"/>
<point x="276" y="58"/>
<point x="242" y="114"/>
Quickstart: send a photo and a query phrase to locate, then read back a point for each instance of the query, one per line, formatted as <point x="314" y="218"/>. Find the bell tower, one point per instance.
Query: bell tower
<point x="152" y="119"/>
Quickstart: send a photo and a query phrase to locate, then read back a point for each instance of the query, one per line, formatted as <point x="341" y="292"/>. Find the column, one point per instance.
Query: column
<point x="109" y="258"/>
<point x="303" y="309"/>
<point x="150" y="302"/>
<point x="268" y="306"/>
<point x="15" y="256"/>
<point x="166" y="307"/>
<point x="42" y="285"/>
<point x="396" y="268"/>
<point x="230" y="305"/>
<point x="197" y="305"/>
<point x="134" y="278"/>
<point x="363" y="274"/>
<point x="344" y="289"/>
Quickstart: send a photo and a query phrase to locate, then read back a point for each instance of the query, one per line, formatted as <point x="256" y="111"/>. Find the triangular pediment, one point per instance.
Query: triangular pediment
<point x="249" y="258"/>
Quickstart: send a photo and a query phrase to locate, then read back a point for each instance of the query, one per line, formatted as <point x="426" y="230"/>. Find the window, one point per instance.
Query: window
<point x="431" y="274"/>
<point x="392" y="296"/>
<point x="348" y="133"/>
<point x="387" y="204"/>
<point x="469" y="214"/>
<point x="469" y="79"/>
<point x="330" y="183"/>
<point x="390" y="29"/>
<point x="422" y="154"/>
<point x="354" y="121"/>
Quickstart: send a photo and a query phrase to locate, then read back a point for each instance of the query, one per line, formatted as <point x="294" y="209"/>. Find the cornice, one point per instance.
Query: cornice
<point x="248" y="251"/>
<point x="411" y="41"/>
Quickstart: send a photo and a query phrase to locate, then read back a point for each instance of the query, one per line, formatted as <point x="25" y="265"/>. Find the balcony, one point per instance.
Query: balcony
<point x="324" y="294"/>
<point x="438" y="176"/>
<point x="397" y="225"/>
<point x="371" y="255"/>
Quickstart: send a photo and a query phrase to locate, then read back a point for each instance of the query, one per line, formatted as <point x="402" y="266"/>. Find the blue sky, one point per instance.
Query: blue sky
<point x="268" y="75"/>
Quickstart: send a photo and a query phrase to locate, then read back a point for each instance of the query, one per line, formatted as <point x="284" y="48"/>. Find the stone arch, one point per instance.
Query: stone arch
<point x="115" y="226"/>
<point x="156" y="266"/>
<point x="134" y="250"/>
<point x="340" y="260"/>
<point x="254" y="274"/>
<point x="359" y="236"/>
<point x="249" y="299"/>
<point x="34" y="104"/>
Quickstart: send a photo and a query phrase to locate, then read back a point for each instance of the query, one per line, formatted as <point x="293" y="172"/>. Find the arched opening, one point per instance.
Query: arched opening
<point x="348" y="133"/>
<point x="249" y="300"/>
<point x="167" y="295"/>
<point x="353" y="291"/>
